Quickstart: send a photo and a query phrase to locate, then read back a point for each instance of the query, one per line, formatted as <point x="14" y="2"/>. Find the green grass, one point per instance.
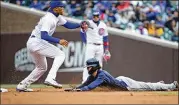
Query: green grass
<point x="35" y="86"/>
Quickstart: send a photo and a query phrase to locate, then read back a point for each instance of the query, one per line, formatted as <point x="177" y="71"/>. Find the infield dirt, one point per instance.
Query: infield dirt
<point x="58" y="96"/>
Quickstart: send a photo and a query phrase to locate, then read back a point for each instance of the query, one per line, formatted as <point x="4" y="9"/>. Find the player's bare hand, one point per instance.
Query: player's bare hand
<point x="63" y="42"/>
<point x="84" y="25"/>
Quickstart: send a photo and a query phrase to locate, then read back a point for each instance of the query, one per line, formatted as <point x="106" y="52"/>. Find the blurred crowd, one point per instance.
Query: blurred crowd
<point x="150" y="18"/>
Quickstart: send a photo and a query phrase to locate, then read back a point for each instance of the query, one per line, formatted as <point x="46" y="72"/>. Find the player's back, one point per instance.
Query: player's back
<point x="47" y="22"/>
<point x="110" y="80"/>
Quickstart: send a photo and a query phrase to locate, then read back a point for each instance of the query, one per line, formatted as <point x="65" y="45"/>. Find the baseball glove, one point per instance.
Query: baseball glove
<point x="72" y="90"/>
<point x="106" y="55"/>
<point x="84" y="25"/>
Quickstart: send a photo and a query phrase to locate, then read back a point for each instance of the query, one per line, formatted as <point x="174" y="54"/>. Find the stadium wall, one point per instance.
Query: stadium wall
<point x="135" y="59"/>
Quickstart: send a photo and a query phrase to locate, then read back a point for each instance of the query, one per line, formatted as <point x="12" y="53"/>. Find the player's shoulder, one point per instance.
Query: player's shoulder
<point x="90" y="21"/>
<point x="47" y="17"/>
<point x="101" y="72"/>
<point x="61" y="17"/>
<point x="103" y="23"/>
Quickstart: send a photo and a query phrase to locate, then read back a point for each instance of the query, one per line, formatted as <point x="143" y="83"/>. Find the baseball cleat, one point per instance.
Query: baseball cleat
<point x="3" y="90"/>
<point x="23" y="88"/>
<point x="176" y="84"/>
<point x="53" y="83"/>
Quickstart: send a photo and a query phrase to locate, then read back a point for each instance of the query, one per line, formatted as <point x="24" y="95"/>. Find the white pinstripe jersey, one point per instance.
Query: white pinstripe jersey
<point x="48" y="23"/>
<point x="96" y="34"/>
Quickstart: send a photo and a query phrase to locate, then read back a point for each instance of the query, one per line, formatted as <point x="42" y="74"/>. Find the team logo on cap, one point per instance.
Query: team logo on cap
<point x="101" y="31"/>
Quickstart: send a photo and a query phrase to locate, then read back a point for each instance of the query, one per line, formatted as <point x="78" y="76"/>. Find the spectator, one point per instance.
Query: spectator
<point x="19" y="2"/>
<point x="111" y="17"/>
<point x="106" y="4"/>
<point x="159" y="20"/>
<point x="78" y="12"/>
<point x="159" y="30"/>
<point x="130" y="28"/>
<point x="36" y="4"/>
<point x="120" y="14"/>
<point x="99" y="7"/>
<point x="152" y="13"/>
<point x="130" y="14"/>
<point x="46" y="5"/>
<point x="152" y="28"/>
<point x="175" y="37"/>
<point x="72" y="7"/>
<point x="136" y="3"/>
<point x="141" y="29"/>
<point x="122" y="5"/>
<point x="120" y="18"/>
<point x="103" y="15"/>
<point x="88" y="11"/>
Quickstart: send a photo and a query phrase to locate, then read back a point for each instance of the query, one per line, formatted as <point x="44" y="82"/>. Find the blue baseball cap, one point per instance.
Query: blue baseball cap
<point x="96" y="13"/>
<point x="54" y="4"/>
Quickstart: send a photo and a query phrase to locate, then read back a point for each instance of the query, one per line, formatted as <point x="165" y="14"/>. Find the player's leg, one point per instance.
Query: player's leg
<point x="139" y="85"/>
<point x="132" y="84"/>
<point x="99" y="54"/>
<point x="52" y="51"/>
<point x="48" y="50"/>
<point x="158" y="86"/>
<point x="89" y="53"/>
<point x="40" y="69"/>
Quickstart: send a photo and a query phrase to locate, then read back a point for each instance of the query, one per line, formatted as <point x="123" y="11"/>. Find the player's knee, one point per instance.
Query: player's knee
<point x="61" y="55"/>
<point x="43" y="67"/>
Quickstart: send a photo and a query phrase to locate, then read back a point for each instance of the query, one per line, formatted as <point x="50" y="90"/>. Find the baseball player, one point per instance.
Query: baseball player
<point x="100" y="77"/>
<point x="39" y="47"/>
<point x="94" y="33"/>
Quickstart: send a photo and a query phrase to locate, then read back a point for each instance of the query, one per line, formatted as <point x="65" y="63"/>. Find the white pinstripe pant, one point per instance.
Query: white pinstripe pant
<point x="39" y="50"/>
<point x="141" y="86"/>
<point x="92" y="51"/>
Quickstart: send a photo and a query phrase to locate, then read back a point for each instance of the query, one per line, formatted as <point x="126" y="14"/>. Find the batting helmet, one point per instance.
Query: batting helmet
<point x="93" y="64"/>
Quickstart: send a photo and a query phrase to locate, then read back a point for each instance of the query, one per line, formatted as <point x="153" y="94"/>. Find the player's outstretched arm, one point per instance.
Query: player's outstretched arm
<point x="93" y="84"/>
<point x="71" y="25"/>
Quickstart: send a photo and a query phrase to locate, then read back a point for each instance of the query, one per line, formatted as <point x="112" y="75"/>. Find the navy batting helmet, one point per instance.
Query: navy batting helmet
<point x="93" y="64"/>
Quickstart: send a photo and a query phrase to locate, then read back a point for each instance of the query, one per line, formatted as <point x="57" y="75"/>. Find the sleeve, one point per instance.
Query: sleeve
<point x="83" y="36"/>
<point x="71" y="25"/>
<point x="87" y="82"/>
<point x="93" y="84"/>
<point x="46" y="25"/>
<point x="106" y="39"/>
<point x="61" y="21"/>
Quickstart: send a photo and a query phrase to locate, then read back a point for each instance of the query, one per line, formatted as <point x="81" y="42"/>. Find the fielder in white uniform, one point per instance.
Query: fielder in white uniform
<point x="39" y="47"/>
<point x="96" y="39"/>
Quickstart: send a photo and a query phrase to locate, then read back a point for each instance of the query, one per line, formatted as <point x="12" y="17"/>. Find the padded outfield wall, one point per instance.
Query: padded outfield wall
<point x="136" y="59"/>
